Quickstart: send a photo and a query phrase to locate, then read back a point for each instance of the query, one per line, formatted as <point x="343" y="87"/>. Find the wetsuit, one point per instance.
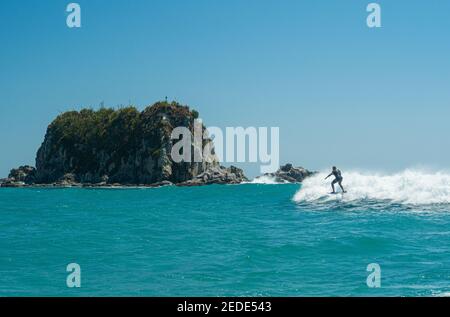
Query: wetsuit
<point x="338" y="176"/>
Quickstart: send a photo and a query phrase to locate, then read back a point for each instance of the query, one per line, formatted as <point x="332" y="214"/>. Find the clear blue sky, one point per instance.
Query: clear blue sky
<point x="340" y="92"/>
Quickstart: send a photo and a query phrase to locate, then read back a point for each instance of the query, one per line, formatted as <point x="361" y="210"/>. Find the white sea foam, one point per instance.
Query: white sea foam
<point x="407" y="187"/>
<point x="268" y="180"/>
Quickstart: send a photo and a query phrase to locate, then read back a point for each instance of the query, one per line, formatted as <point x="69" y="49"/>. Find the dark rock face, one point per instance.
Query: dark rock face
<point x="124" y="147"/>
<point x="24" y="174"/>
<point x="218" y="175"/>
<point x="289" y="174"/>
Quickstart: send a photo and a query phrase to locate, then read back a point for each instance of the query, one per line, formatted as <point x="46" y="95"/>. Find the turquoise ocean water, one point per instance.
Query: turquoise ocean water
<point x="250" y="239"/>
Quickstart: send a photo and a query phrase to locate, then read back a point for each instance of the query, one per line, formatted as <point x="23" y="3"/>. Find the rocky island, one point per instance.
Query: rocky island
<point x="119" y="147"/>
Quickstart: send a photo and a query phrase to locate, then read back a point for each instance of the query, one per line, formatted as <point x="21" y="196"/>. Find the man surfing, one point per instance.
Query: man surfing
<point x="338" y="179"/>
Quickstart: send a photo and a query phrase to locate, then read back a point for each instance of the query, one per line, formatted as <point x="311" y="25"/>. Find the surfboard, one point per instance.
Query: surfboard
<point x="335" y="193"/>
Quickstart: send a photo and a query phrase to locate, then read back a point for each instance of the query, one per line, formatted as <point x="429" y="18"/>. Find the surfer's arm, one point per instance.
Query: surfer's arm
<point x="329" y="175"/>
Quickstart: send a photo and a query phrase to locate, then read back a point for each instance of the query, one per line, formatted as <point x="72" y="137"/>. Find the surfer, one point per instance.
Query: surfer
<point x="338" y="179"/>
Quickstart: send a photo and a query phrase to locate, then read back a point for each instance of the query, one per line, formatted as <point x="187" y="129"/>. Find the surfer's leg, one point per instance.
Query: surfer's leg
<point x="340" y="184"/>
<point x="332" y="185"/>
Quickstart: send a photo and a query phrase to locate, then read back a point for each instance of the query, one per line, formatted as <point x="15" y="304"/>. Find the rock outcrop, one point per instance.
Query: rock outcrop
<point x="218" y="175"/>
<point x="19" y="177"/>
<point x="289" y="174"/>
<point x="24" y="174"/>
<point x="123" y="147"/>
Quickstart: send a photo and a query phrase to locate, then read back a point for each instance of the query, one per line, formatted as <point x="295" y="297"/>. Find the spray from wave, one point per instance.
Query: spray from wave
<point x="408" y="187"/>
<point x="267" y="180"/>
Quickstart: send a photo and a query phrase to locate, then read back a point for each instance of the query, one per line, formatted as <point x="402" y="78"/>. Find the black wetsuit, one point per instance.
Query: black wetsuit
<point x="338" y="176"/>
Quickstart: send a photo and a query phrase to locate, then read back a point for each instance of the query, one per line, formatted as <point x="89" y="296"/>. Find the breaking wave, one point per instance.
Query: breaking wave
<point x="268" y="180"/>
<point x="408" y="187"/>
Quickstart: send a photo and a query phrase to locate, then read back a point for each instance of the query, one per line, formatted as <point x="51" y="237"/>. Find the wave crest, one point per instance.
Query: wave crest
<point x="267" y="180"/>
<point x="407" y="187"/>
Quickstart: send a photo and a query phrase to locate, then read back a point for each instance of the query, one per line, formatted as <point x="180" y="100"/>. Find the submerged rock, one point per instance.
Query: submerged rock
<point x="162" y="184"/>
<point x="11" y="183"/>
<point x="289" y="174"/>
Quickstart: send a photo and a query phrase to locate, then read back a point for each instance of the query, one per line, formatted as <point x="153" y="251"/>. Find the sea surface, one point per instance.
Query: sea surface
<point x="238" y="240"/>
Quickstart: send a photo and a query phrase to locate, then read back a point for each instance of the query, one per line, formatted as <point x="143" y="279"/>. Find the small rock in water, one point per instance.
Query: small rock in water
<point x="289" y="174"/>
